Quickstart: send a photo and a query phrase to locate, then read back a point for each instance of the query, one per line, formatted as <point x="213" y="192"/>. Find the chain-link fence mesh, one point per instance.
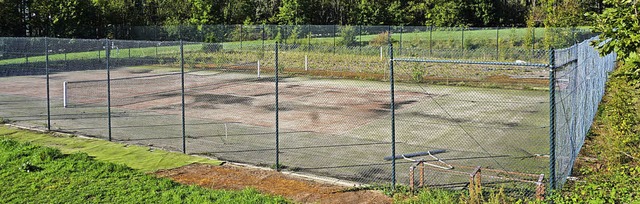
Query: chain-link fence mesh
<point x="467" y="105"/>
<point x="23" y="81"/>
<point x="502" y="130"/>
<point x="580" y="79"/>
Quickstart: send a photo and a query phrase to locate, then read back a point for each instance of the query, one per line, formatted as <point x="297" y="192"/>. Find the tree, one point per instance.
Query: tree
<point x="63" y="18"/>
<point x="619" y="25"/>
<point x="11" y="19"/>
<point x="290" y="13"/>
<point x="443" y="13"/>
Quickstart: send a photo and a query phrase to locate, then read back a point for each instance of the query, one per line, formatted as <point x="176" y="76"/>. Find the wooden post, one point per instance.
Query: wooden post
<point x="411" y="178"/>
<point x="475" y="186"/>
<point x="421" y="174"/>
<point x="540" y="188"/>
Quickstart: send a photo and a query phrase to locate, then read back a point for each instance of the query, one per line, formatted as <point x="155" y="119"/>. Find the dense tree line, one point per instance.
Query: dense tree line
<point x="94" y="18"/>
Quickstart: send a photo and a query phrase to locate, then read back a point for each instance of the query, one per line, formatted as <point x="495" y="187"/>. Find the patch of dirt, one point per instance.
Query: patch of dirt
<point x="270" y="182"/>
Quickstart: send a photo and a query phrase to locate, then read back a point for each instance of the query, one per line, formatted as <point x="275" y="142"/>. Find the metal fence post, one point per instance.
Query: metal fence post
<point x="533" y="44"/>
<point x="430" y="40"/>
<point x="334" y="38"/>
<point x="552" y="121"/>
<point x="360" y="39"/>
<point x="309" y="38"/>
<point x="400" y="44"/>
<point x="277" y="122"/>
<point x="46" y="67"/>
<point x="184" y="136"/>
<point x="393" y="119"/>
<point x="462" y="43"/>
<point x="108" y="88"/>
<point x="498" y="43"/>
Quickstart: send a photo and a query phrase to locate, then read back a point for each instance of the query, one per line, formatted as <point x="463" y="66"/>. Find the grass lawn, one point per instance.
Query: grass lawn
<point x="30" y="173"/>
<point x="136" y="157"/>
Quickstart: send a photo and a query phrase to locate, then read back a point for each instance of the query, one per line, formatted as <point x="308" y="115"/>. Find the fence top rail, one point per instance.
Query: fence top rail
<point x="522" y="64"/>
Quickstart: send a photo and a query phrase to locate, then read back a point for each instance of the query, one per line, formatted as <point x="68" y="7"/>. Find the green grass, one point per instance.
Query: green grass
<point x="136" y="157"/>
<point x="164" y="51"/>
<point x="34" y="174"/>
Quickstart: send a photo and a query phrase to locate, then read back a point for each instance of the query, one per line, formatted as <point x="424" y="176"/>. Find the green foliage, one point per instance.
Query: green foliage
<point x="445" y="14"/>
<point x="620" y="23"/>
<point x="77" y="178"/>
<point x="348" y="36"/>
<point x="293" y="36"/>
<point x="288" y="14"/>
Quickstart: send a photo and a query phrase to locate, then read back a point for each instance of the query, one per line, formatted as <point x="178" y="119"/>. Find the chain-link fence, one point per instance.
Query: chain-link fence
<point x="579" y="81"/>
<point x="334" y="109"/>
<point x="495" y="43"/>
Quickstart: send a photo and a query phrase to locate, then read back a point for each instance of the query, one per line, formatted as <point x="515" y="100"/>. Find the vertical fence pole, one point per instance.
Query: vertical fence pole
<point x="309" y="38"/>
<point x="400" y="48"/>
<point x="533" y="47"/>
<point x="430" y="40"/>
<point x="393" y="120"/>
<point x="108" y="90"/>
<point x="360" y="39"/>
<point x="462" y="43"/>
<point x="46" y="67"/>
<point x="552" y="121"/>
<point x="334" y="38"/>
<point x="498" y="43"/>
<point x="64" y="94"/>
<point x="277" y="122"/>
<point x="306" y="63"/>
<point x="184" y="135"/>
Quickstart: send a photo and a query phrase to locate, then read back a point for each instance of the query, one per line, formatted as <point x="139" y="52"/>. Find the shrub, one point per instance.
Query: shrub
<point x="211" y="47"/>
<point x="348" y="36"/>
<point x="381" y="39"/>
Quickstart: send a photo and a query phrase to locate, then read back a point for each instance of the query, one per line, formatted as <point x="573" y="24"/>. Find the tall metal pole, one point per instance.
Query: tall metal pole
<point x="463" y="50"/>
<point x="184" y="135"/>
<point x="393" y="119"/>
<point x="360" y="39"/>
<point x="46" y="67"/>
<point x="277" y="121"/>
<point x="498" y="43"/>
<point x="334" y="38"/>
<point x="108" y="88"/>
<point x="430" y="40"/>
<point x="552" y="120"/>
<point x="533" y="44"/>
<point x="401" y="31"/>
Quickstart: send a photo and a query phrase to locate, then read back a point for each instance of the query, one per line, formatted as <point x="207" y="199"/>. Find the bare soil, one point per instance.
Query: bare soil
<point x="232" y="177"/>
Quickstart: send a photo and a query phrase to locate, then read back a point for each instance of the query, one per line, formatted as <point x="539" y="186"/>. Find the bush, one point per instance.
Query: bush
<point x="381" y="39"/>
<point x="348" y="36"/>
<point x="211" y="47"/>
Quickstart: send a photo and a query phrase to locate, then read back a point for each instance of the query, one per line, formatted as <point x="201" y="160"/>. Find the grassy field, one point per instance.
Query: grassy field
<point x="34" y="174"/>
